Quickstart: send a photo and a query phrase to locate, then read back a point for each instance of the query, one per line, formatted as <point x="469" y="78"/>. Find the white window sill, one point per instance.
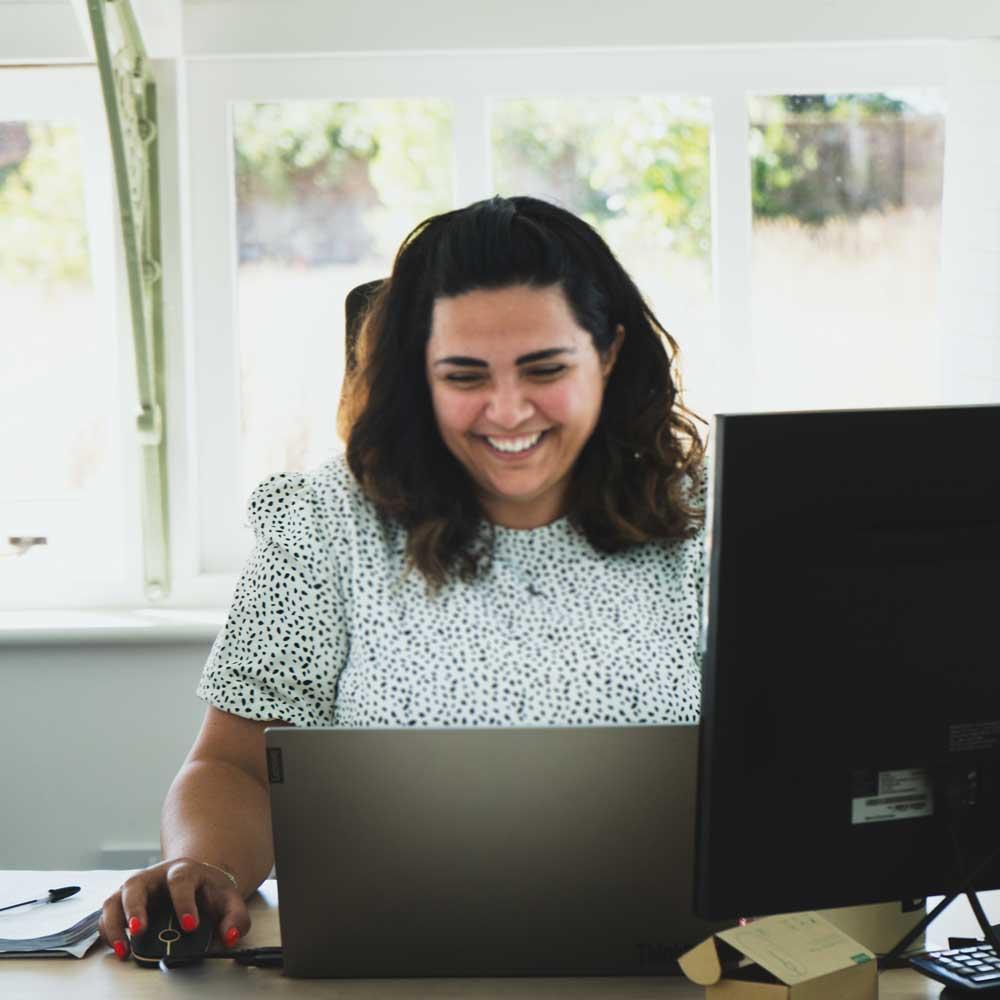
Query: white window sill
<point x="125" y="625"/>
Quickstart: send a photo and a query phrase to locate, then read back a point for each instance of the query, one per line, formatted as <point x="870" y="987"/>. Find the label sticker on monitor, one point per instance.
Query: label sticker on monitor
<point x="974" y="736"/>
<point x="884" y="796"/>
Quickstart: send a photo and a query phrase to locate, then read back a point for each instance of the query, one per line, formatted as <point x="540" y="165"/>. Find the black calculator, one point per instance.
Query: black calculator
<point x="976" y="967"/>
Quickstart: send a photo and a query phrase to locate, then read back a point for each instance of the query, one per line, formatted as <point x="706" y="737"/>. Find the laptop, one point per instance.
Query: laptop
<point x="484" y="851"/>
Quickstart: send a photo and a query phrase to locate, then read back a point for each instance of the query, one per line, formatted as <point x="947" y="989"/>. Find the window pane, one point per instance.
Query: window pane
<point x="60" y="470"/>
<point x="325" y="194"/>
<point x="846" y="242"/>
<point x="636" y="169"/>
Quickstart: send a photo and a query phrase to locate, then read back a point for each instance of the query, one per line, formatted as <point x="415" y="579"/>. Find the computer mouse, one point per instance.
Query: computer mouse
<point x="164" y="939"/>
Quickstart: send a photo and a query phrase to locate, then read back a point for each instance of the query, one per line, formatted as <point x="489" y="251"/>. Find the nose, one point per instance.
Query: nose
<point x="508" y="407"/>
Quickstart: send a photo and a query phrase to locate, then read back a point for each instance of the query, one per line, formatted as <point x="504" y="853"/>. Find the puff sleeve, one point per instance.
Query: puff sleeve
<point x="284" y="641"/>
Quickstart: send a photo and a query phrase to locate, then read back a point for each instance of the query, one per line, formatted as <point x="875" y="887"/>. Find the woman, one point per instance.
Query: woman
<point x="513" y="538"/>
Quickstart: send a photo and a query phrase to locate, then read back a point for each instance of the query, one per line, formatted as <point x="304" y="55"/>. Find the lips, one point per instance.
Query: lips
<point x="504" y="453"/>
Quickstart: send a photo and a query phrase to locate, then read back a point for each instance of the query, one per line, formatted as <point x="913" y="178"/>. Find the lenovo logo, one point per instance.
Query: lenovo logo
<point x="275" y="766"/>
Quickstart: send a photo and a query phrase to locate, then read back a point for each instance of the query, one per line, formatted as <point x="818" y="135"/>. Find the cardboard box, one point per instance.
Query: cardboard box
<point x="879" y="926"/>
<point x="794" y="956"/>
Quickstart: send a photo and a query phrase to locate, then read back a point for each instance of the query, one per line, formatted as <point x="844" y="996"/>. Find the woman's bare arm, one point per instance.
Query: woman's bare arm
<point x="216" y="819"/>
<point x="218" y="809"/>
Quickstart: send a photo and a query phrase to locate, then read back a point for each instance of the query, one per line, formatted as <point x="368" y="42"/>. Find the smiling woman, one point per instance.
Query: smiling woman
<point x="522" y="322"/>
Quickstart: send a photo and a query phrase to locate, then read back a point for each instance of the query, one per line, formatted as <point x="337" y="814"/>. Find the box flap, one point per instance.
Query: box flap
<point x="796" y="947"/>
<point x="701" y="964"/>
<point x="878" y="926"/>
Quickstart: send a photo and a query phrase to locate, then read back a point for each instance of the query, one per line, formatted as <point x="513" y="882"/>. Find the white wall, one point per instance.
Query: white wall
<point x="48" y="29"/>
<point x="346" y="26"/>
<point x="91" y="736"/>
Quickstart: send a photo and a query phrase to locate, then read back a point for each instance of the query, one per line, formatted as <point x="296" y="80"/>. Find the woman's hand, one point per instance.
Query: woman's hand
<point x="187" y="882"/>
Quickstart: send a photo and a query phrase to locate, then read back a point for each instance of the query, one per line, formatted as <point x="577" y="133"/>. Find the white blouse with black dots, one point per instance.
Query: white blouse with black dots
<point x="326" y="627"/>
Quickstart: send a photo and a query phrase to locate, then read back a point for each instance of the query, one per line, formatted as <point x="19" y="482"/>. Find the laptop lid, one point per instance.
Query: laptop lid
<point x="484" y="852"/>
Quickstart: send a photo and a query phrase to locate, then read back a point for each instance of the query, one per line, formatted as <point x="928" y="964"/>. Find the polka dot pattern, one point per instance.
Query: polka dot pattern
<point x="327" y="627"/>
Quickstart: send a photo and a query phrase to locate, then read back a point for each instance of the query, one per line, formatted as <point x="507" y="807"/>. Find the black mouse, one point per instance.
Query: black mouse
<point x="164" y="939"/>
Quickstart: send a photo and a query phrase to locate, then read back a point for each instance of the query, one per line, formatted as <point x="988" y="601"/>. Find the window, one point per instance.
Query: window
<point x="710" y="172"/>
<point x="325" y="193"/>
<point x="665" y="156"/>
<point x="846" y="192"/>
<point x="66" y="506"/>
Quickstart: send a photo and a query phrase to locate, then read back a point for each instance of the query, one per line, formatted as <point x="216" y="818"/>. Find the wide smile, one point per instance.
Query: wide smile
<point x="511" y="449"/>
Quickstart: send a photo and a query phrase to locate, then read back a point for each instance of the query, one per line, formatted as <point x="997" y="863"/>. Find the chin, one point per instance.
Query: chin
<point x="508" y="491"/>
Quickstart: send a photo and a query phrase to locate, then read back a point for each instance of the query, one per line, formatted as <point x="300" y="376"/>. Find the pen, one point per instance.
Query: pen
<point x="53" y="897"/>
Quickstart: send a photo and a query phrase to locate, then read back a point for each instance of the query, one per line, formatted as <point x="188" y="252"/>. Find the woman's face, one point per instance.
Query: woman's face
<point x="516" y="387"/>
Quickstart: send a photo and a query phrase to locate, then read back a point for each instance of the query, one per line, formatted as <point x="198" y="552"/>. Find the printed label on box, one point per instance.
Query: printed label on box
<point x="796" y="947"/>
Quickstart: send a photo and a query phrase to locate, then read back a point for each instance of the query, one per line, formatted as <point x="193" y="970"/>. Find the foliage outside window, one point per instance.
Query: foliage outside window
<point x="816" y="157"/>
<point x="634" y="165"/>
<point x="43" y="232"/>
<point x="322" y="183"/>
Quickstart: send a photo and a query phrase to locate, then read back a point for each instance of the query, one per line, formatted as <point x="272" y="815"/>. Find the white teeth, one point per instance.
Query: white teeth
<point x="515" y="444"/>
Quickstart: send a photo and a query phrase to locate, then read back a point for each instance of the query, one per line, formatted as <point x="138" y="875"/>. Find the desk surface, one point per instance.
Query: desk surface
<point x="100" y="975"/>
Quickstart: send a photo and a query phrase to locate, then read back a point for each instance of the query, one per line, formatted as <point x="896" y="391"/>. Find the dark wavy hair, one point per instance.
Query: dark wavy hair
<point x="637" y="474"/>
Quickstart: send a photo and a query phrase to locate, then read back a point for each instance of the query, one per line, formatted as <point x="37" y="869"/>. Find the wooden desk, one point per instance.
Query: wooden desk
<point x="100" y="975"/>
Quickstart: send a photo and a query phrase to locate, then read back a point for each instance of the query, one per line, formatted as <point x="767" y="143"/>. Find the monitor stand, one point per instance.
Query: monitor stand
<point x="991" y="934"/>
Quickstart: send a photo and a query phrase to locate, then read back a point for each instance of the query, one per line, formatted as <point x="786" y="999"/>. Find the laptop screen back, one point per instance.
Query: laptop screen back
<point x="486" y="852"/>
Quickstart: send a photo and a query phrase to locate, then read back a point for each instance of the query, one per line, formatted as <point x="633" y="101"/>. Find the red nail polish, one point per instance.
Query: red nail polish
<point x="120" y="949"/>
<point x="135" y="925"/>
<point x="232" y="936"/>
<point x="188" y="922"/>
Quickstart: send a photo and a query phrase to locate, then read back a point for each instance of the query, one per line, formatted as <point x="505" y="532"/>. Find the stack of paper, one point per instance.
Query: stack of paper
<point x="75" y="941"/>
<point x="68" y="927"/>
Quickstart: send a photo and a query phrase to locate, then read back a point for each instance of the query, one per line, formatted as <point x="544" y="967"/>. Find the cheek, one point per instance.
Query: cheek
<point x="570" y="404"/>
<point x="454" y="412"/>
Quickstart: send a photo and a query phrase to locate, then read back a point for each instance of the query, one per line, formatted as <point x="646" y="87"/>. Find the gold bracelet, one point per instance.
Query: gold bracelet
<point x="225" y="871"/>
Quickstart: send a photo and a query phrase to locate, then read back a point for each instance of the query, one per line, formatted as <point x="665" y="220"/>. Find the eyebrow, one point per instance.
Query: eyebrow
<point x="524" y="359"/>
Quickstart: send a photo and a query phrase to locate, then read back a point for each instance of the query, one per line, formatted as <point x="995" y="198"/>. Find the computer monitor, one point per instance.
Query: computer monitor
<point x="851" y="686"/>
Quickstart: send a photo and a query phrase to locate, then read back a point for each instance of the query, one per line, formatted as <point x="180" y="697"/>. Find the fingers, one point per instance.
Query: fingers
<point x="124" y="913"/>
<point x="111" y="925"/>
<point x="183" y="881"/>
<point x="135" y="898"/>
<point x="234" y="919"/>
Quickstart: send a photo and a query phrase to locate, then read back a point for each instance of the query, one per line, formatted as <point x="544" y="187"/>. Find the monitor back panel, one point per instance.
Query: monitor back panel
<point x="851" y="657"/>
<point x="484" y="852"/>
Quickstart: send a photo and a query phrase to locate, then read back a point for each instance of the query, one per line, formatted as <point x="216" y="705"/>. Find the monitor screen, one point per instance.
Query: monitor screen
<point x="851" y="685"/>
